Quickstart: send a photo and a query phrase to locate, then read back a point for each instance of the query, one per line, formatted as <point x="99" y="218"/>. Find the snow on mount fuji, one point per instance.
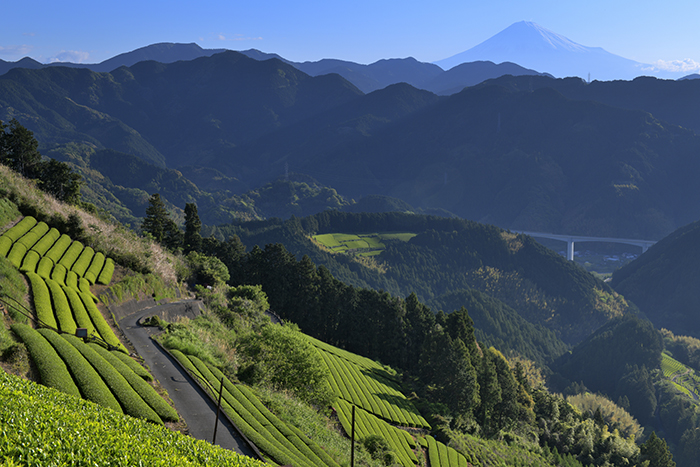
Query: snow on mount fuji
<point x="532" y="46"/>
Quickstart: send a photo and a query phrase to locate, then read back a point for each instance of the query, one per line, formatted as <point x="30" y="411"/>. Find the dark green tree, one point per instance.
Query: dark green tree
<point x="193" y="227"/>
<point x="20" y="150"/>
<point x="637" y="385"/>
<point x="157" y="217"/>
<point x="57" y="179"/>
<point x="420" y="320"/>
<point x="489" y="392"/>
<point x="462" y="388"/>
<point x="461" y="326"/>
<point x="655" y="450"/>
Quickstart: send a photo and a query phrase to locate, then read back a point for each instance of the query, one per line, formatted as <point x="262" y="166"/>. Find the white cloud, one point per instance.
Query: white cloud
<point x="15" y="50"/>
<point x="681" y="66"/>
<point x="73" y="56"/>
<point x="30" y="34"/>
<point x="236" y="37"/>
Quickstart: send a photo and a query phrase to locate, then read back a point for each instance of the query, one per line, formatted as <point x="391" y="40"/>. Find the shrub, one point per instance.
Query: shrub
<point x="53" y="429"/>
<point x="30" y="261"/>
<point x="105" y="276"/>
<point x="135" y="367"/>
<point x="207" y="269"/>
<point x="91" y="385"/>
<point x="100" y="323"/>
<point x="83" y="262"/>
<point x="283" y="357"/>
<point x="45" y="267"/>
<point x="61" y="308"/>
<point x="46" y="242"/>
<point x="96" y="265"/>
<point x="22" y="227"/>
<point x="58" y="274"/>
<point x="128" y="398"/>
<point x="71" y="255"/>
<point x="81" y="315"/>
<point x="16" y="254"/>
<point x="42" y="300"/>
<point x="71" y="280"/>
<point x="5" y="245"/>
<point x="52" y="370"/>
<point x="59" y="247"/>
<point x="145" y="390"/>
<point x="84" y="286"/>
<point x="32" y="237"/>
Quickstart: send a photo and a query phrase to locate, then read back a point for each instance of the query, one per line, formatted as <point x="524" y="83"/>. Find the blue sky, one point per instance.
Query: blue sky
<point x="361" y="31"/>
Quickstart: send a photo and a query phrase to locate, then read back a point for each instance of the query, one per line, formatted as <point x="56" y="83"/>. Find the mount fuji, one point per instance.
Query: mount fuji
<point x="532" y="46"/>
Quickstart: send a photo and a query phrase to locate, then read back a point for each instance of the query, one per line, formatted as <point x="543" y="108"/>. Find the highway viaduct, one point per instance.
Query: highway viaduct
<point x="572" y="239"/>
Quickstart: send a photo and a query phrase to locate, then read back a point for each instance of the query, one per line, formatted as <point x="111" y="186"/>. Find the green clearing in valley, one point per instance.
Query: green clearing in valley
<point x="360" y="244"/>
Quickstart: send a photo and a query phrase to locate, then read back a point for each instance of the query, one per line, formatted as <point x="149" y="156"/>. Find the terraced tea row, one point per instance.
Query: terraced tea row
<point x="283" y="443"/>
<point x="67" y="364"/>
<point x="60" y="272"/>
<point x="366" y="424"/>
<point x="42" y="426"/>
<point x="66" y="309"/>
<point x="441" y="455"/>
<point x="32" y="246"/>
<point x="683" y="378"/>
<point x="368" y="389"/>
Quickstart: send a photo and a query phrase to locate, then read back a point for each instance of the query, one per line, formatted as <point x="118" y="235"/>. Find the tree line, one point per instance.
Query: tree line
<point x="19" y="150"/>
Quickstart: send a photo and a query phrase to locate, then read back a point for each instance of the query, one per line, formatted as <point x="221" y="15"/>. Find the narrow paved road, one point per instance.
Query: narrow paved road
<point x="196" y="408"/>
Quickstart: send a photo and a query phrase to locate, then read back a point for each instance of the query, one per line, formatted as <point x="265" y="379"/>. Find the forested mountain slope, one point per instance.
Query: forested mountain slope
<point x="663" y="282"/>
<point x="472" y="393"/>
<point x="185" y="109"/>
<point x="523" y="160"/>
<point x="448" y="256"/>
<point x="504" y="153"/>
<point x="672" y="101"/>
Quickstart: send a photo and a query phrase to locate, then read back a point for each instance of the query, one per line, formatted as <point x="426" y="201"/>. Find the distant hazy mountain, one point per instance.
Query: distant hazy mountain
<point x="367" y="78"/>
<point x="675" y="101"/>
<point x="26" y="62"/>
<point x="165" y="52"/>
<point x="473" y="73"/>
<point x="377" y="75"/>
<point x="513" y="152"/>
<point x="532" y="46"/>
<point x="693" y="76"/>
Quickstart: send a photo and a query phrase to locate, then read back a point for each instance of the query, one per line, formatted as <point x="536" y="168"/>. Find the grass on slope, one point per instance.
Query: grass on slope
<point x="112" y="239"/>
<point x="42" y="426"/>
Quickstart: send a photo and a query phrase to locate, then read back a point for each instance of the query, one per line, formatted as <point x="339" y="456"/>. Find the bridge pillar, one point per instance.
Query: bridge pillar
<point x="570" y="249"/>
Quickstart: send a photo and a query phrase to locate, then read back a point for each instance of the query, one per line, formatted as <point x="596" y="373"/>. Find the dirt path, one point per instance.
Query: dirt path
<point x="195" y="407"/>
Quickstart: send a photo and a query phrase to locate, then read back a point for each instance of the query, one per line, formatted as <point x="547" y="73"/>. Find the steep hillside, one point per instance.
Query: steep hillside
<point x="672" y="101"/>
<point x="450" y="257"/>
<point x="508" y="155"/>
<point x="521" y="160"/>
<point x="663" y="282"/>
<point x="468" y="394"/>
<point x="200" y="107"/>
